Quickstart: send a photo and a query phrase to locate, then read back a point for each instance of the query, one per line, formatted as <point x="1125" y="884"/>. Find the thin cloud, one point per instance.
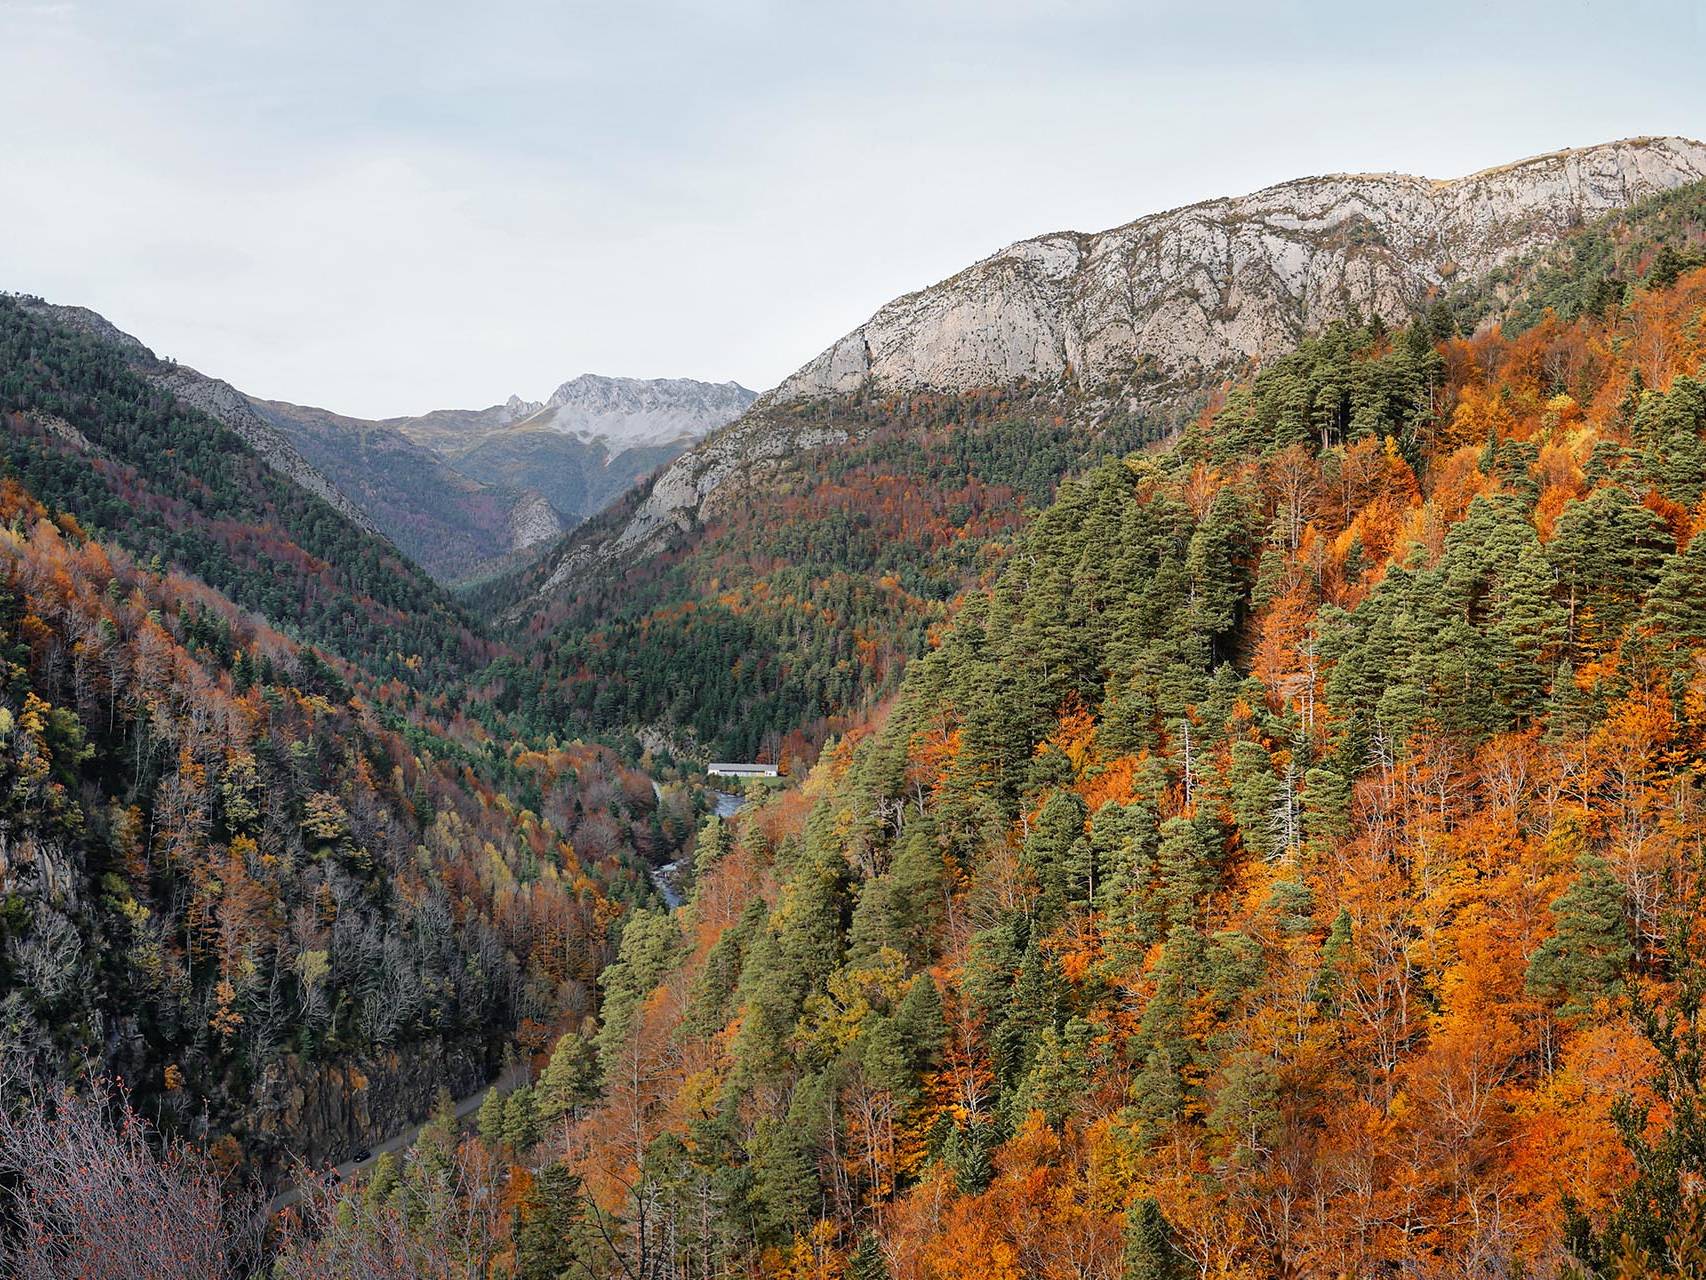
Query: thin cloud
<point x="384" y="208"/>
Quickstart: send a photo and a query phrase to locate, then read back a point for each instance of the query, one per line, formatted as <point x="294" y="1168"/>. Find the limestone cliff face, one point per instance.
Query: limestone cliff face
<point x="1154" y="311"/>
<point x="1164" y="300"/>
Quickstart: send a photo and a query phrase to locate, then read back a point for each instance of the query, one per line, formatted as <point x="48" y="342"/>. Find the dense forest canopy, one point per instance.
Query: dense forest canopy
<point x="231" y="880"/>
<point x="793" y="608"/>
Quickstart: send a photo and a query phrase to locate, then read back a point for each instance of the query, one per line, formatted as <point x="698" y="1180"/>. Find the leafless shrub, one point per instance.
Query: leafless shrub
<point x="90" y="1193"/>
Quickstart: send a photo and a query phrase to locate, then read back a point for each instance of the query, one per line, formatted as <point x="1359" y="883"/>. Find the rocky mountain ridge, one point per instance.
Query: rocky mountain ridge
<point x="466" y="491"/>
<point x="622" y="413"/>
<point x="462" y="492"/>
<point x="1167" y="299"/>
<point x="1146" y="316"/>
<point x="583" y="446"/>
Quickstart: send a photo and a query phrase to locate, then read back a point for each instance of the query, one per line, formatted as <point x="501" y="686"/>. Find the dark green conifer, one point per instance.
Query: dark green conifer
<point x="1588" y="955"/>
<point x="1150" y="1252"/>
<point x="1188" y="869"/>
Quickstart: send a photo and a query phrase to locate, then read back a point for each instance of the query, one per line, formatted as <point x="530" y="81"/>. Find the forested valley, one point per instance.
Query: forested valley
<point x="1270" y="849"/>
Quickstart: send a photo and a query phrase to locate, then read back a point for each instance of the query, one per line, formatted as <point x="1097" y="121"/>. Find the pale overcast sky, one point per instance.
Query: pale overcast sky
<point x="387" y="207"/>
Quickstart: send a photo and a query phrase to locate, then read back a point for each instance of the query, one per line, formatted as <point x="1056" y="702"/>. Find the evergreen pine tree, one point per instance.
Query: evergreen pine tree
<point x="1336" y="959"/>
<point x="1670" y="424"/>
<point x="1059" y="1074"/>
<point x="1150" y="1253"/>
<point x="553" y="1239"/>
<point x="1326" y="808"/>
<point x="1217" y="562"/>
<point x="435" y="1147"/>
<point x="1676" y="606"/>
<point x="382" y="1181"/>
<point x="569" y="1081"/>
<point x="521" y="1123"/>
<point x="1528" y="631"/>
<point x="650" y="942"/>
<point x="1163" y="1046"/>
<point x="921" y="1024"/>
<point x="1031" y="1011"/>
<point x="1607" y="550"/>
<point x="1187" y="869"/>
<point x="490" y="1120"/>
<point x="867" y="1262"/>
<point x="1587" y="956"/>
<point x="967" y="1152"/>
<point x="784" y="1184"/>
<point x="1254" y="790"/>
<point x="884" y="1061"/>
<point x="1049" y="849"/>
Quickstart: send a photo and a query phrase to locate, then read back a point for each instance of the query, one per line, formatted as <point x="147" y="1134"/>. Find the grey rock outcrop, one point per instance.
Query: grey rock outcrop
<point x="532" y="520"/>
<point x="1163" y="301"/>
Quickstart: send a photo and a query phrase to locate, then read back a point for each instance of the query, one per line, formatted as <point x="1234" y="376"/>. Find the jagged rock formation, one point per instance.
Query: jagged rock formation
<point x="321" y="1114"/>
<point x="533" y="520"/>
<point x="1153" y="312"/>
<point x="619" y="413"/>
<point x="1169" y="298"/>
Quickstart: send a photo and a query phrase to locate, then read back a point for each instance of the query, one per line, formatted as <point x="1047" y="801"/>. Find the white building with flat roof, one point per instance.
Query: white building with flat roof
<point x="725" y="770"/>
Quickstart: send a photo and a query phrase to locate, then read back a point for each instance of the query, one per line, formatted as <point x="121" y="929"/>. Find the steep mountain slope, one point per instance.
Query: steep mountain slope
<point x="1289" y="865"/>
<point x="449" y="523"/>
<point x="281" y="915"/>
<point x="578" y="476"/>
<point x="98" y="429"/>
<point x="837" y="517"/>
<point x="254" y="860"/>
<point x="219" y="400"/>
<point x="1652" y="243"/>
<point x="784" y="611"/>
